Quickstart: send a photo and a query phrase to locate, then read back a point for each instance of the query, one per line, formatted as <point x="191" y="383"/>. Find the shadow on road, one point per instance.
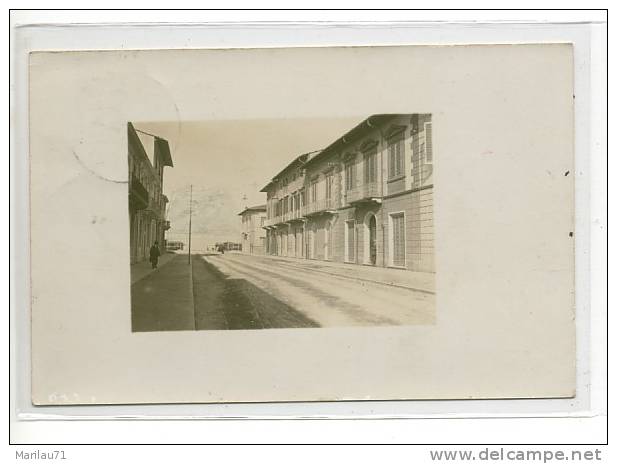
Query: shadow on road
<point x="222" y="302"/>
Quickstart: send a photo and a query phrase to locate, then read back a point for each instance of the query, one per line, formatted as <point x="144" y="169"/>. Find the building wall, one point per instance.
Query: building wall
<point x="410" y="192"/>
<point x="253" y="238"/>
<point x="419" y="238"/>
<point x="147" y="222"/>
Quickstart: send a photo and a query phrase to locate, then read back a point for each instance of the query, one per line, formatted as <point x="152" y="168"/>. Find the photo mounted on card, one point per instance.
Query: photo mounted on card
<point x="302" y="224"/>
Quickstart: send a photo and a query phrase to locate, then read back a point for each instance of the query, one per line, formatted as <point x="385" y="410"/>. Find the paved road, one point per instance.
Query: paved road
<point x="177" y="296"/>
<point x="235" y="291"/>
<point x="228" y="302"/>
<point x="326" y="299"/>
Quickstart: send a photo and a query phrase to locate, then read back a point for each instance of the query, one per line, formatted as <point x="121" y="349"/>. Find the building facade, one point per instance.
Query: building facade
<point x="366" y="199"/>
<point x="174" y="245"/>
<point x="253" y="236"/>
<point x="228" y="246"/>
<point x="147" y="203"/>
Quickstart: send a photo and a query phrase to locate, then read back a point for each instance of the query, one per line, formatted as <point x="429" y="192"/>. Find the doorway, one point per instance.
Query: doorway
<point x="372" y="237"/>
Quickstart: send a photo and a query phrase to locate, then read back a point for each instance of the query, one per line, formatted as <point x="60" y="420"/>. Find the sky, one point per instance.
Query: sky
<point x="228" y="163"/>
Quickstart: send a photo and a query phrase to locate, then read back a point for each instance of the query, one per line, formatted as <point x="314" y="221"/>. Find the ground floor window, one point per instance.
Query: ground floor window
<point x="350" y="241"/>
<point x="397" y="239"/>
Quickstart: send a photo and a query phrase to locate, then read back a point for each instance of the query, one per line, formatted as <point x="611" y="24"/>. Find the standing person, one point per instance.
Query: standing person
<point x="154" y="254"/>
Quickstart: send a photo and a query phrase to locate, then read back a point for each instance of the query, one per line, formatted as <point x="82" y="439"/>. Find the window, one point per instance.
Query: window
<point x="350" y="181"/>
<point x="329" y="185"/>
<point x="396" y="158"/>
<point x="350" y="242"/>
<point x="397" y="253"/>
<point x="370" y="168"/>
<point x="314" y="191"/>
<point x="428" y="137"/>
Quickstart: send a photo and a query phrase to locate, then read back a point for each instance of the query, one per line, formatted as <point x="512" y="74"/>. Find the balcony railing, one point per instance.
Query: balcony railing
<point x="154" y="206"/>
<point x="272" y="221"/>
<point x="363" y="192"/>
<point x="139" y="196"/>
<point x="319" y="206"/>
<point x="296" y="214"/>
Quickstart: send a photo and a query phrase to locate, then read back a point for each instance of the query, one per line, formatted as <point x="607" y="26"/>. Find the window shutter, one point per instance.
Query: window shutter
<point x="428" y="137"/>
<point x="398" y="239"/>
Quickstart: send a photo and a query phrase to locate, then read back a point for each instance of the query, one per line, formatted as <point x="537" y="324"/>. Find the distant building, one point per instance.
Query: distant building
<point x="253" y="237"/>
<point x="147" y="203"/>
<point x="367" y="198"/>
<point x="228" y="246"/>
<point x="174" y="245"/>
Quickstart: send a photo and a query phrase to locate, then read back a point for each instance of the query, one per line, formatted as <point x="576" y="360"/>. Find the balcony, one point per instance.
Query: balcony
<point x="321" y="206"/>
<point x="154" y="207"/>
<point x="370" y="192"/>
<point x="295" y="215"/>
<point x="271" y="222"/>
<point x="138" y="195"/>
<point x="166" y="225"/>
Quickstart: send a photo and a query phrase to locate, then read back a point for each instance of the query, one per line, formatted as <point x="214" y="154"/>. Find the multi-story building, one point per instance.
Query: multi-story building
<point x="147" y="203"/>
<point x="286" y="199"/>
<point x="253" y="237"/>
<point x="367" y="198"/>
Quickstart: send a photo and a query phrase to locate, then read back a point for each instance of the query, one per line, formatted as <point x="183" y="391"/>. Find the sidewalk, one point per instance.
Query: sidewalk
<point x="163" y="299"/>
<point x="420" y="281"/>
<point x="144" y="268"/>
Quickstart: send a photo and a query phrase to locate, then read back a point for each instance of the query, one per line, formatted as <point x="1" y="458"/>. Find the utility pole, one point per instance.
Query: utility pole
<point x="190" y="220"/>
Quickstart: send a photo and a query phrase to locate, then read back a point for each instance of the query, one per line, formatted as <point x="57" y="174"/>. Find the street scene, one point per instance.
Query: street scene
<point x="338" y="236"/>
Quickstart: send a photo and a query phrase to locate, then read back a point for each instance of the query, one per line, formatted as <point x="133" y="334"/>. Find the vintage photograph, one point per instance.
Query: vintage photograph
<point x="264" y="224"/>
<point x="198" y="214"/>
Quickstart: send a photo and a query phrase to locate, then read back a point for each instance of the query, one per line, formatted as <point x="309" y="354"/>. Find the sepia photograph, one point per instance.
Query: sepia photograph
<point x="225" y="229"/>
<point x="197" y="214"/>
<point x="235" y="226"/>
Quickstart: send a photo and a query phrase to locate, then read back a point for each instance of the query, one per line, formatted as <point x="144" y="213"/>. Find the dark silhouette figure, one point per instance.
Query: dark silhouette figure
<point x="154" y="254"/>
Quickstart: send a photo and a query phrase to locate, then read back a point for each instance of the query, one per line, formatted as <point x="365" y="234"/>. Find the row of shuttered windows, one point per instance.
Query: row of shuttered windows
<point x="396" y="168"/>
<point x="397" y="240"/>
<point x="291" y="244"/>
